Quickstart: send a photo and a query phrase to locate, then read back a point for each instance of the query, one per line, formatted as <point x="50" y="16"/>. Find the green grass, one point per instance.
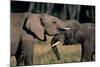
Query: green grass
<point x="43" y="53"/>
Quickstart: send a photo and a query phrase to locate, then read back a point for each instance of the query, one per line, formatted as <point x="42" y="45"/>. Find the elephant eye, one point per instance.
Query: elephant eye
<point x="54" y="22"/>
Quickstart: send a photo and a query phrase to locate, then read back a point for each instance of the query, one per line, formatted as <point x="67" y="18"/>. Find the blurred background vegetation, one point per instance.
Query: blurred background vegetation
<point x="82" y="13"/>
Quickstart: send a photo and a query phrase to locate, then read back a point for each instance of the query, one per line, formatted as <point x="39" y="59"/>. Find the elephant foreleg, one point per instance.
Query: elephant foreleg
<point x="20" y="55"/>
<point x="24" y="54"/>
<point x="87" y="52"/>
<point x="93" y="56"/>
<point x="28" y="49"/>
<point x="28" y="43"/>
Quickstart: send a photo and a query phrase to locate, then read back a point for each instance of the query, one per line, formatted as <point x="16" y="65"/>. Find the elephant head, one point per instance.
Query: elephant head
<point x="71" y="35"/>
<point x="74" y="34"/>
<point x="78" y="32"/>
<point x="39" y="24"/>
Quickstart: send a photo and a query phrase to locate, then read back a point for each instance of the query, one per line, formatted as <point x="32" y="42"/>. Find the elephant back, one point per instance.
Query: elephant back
<point x="17" y="19"/>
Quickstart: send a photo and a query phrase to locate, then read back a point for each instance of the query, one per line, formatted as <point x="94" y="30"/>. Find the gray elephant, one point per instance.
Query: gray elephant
<point x="77" y="33"/>
<point x="25" y="27"/>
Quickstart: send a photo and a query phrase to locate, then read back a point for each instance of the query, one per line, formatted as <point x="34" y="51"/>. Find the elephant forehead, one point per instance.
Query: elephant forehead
<point x="53" y="21"/>
<point x="72" y="23"/>
<point x="73" y="26"/>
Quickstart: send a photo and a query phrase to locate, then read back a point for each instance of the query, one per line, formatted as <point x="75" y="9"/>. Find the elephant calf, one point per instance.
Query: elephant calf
<point x="75" y="33"/>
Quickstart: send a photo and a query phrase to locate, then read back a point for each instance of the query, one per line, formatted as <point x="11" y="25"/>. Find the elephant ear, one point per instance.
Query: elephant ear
<point x="34" y="25"/>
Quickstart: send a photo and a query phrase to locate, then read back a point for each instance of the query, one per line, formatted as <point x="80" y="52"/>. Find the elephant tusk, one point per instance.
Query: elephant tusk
<point x="56" y="43"/>
<point x="67" y="28"/>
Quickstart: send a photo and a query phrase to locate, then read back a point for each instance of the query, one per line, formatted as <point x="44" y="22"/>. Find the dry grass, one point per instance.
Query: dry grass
<point x="43" y="53"/>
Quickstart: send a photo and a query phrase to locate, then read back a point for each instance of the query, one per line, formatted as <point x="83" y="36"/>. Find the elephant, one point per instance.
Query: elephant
<point x="25" y="27"/>
<point x="77" y="33"/>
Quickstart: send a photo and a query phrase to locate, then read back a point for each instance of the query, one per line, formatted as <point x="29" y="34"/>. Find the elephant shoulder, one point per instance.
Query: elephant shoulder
<point x="88" y="25"/>
<point x="88" y="29"/>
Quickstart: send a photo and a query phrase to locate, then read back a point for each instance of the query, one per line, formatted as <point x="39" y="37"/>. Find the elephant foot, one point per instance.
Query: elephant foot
<point x="23" y="60"/>
<point x="20" y="61"/>
<point x="86" y="59"/>
<point x="29" y="61"/>
<point x="20" y="56"/>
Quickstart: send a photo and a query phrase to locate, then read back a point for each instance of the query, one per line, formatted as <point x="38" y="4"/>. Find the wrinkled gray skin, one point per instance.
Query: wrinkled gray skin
<point x="78" y="33"/>
<point x="25" y="27"/>
<point x="21" y="42"/>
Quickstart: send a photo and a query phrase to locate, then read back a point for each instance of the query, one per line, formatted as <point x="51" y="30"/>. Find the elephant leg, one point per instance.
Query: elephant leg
<point x="28" y="43"/>
<point x="93" y="56"/>
<point x="85" y="57"/>
<point x="55" y="49"/>
<point x="87" y="52"/>
<point x="20" y="55"/>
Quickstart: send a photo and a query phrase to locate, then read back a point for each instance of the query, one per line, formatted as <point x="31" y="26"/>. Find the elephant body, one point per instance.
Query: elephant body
<point x="78" y="33"/>
<point x="21" y="42"/>
<point x="88" y="45"/>
<point x="25" y="27"/>
<point x="16" y="31"/>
